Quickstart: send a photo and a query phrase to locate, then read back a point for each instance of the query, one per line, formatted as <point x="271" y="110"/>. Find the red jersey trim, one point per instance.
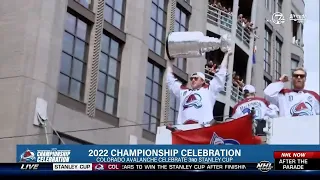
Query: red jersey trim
<point x="314" y="94"/>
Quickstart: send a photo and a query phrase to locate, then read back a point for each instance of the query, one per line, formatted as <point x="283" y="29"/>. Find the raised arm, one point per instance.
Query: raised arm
<point x="272" y="90"/>
<point x="173" y="84"/>
<point x="218" y="81"/>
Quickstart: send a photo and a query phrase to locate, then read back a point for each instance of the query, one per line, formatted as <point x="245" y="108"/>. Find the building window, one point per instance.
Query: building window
<point x="278" y="59"/>
<point x="67" y="139"/>
<point x="86" y="3"/>
<point x="266" y="82"/>
<point x="174" y="108"/>
<point x="108" y="83"/>
<point x="268" y="4"/>
<point x="73" y="58"/>
<point x="180" y="25"/>
<point x="294" y="64"/>
<point x="267" y="50"/>
<point x="279" y="6"/>
<point x="158" y="26"/>
<point x="113" y="12"/>
<point x="152" y="99"/>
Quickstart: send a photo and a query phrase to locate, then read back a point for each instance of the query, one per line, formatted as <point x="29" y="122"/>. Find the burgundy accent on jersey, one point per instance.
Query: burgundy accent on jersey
<point x="247" y="100"/>
<point x="314" y="94"/>
<point x="190" y="121"/>
<point x="183" y="87"/>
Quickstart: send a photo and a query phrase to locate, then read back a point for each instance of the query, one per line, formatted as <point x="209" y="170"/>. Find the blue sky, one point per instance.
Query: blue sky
<point x="311" y="44"/>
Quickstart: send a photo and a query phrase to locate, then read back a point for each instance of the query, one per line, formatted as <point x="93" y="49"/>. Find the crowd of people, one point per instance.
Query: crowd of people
<point x="237" y="81"/>
<point x="211" y="68"/>
<point x="226" y="17"/>
<point x="246" y="24"/>
<point x="219" y="6"/>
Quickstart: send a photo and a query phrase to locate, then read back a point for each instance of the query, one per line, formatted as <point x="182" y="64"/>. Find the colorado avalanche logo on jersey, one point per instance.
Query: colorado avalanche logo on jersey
<point x="301" y="109"/>
<point x="192" y="100"/>
<point x="217" y="140"/>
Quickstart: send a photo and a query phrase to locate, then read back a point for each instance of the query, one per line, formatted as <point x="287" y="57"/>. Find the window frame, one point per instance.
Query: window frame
<point x="108" y="76"/>
<point x="88" y="6"/>
<point x="154" y="37"/>
<point x="278" y="59"/>
<point x="267" y="50"/>
<point x="181" y="63"/>
<point x="57" y="140"/>
<point x="113" y="11"/>
<point x="279" y="6"/>
<point x="151" y="98"/>
<point x="74" y="59"/>
<point x="266" y="81"/>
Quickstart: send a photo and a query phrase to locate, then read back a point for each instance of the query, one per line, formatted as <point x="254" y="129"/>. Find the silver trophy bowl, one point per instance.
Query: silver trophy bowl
<point x="194" y="44"/>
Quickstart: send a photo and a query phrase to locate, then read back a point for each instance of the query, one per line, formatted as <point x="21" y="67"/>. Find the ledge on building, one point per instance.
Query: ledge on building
<point x="185" y="6"/>
<point x="107" y="118"/>
<point x="71" y="103"/>
<point x="81" y="107"/>
<point x="86" y="14"/>
<point x="113" y="31"/>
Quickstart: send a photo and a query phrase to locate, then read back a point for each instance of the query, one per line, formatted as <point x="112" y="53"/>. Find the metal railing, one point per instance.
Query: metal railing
<point x="243" y="34"/>
<point x="223" y="20"/>
<point x="209" y="77"/>
<point x="236" y="94"/>
<point x="219" y="18"/>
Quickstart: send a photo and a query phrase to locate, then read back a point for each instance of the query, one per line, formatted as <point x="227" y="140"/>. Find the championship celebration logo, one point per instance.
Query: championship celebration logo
<point x="52" y="155"/>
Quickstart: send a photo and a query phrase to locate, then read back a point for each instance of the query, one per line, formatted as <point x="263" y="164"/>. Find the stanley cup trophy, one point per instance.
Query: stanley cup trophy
<point x="194" y="44"/>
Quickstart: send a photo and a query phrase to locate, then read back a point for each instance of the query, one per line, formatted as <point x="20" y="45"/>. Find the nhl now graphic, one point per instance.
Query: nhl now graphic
<point x="264" y="166"/>
<point x="51" y="155"/>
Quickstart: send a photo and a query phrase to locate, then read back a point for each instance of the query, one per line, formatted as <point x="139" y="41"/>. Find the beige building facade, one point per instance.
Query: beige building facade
<point x="100" y="66"/>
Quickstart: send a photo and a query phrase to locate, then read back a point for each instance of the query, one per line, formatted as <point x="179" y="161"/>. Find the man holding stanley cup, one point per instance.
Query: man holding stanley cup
<point x="197" y="102"/>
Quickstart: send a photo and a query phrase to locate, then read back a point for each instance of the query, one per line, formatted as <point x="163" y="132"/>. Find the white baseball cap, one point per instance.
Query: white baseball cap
<point x="198" y="74"/>
<point x="249" y="88"/>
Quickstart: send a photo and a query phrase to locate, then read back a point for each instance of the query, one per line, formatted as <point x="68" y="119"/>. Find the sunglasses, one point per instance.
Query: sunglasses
<point x="194" y="78"/>
<point x="299" y="75"/>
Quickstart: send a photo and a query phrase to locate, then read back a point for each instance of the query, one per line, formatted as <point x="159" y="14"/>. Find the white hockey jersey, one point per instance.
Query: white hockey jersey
<point x="197" y="105"/>
<point x="261" y="106"/>
<point x="292" y="102"/>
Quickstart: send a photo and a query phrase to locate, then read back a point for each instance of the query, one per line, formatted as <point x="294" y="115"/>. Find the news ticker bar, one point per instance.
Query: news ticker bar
<point x="125" y="166"/>
<point x="280" y="164"/>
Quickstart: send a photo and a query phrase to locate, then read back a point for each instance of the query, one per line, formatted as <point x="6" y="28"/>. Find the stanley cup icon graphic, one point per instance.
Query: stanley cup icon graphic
<point x="194" y="44"/>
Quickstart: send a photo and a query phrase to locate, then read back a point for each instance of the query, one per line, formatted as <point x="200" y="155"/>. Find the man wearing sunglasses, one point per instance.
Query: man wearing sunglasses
<point x="197" y="102"/>
<point x="296" y="101"/>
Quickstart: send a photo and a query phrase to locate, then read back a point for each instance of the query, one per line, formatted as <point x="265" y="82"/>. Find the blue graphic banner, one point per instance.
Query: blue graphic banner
<point x="152" y="153"/>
